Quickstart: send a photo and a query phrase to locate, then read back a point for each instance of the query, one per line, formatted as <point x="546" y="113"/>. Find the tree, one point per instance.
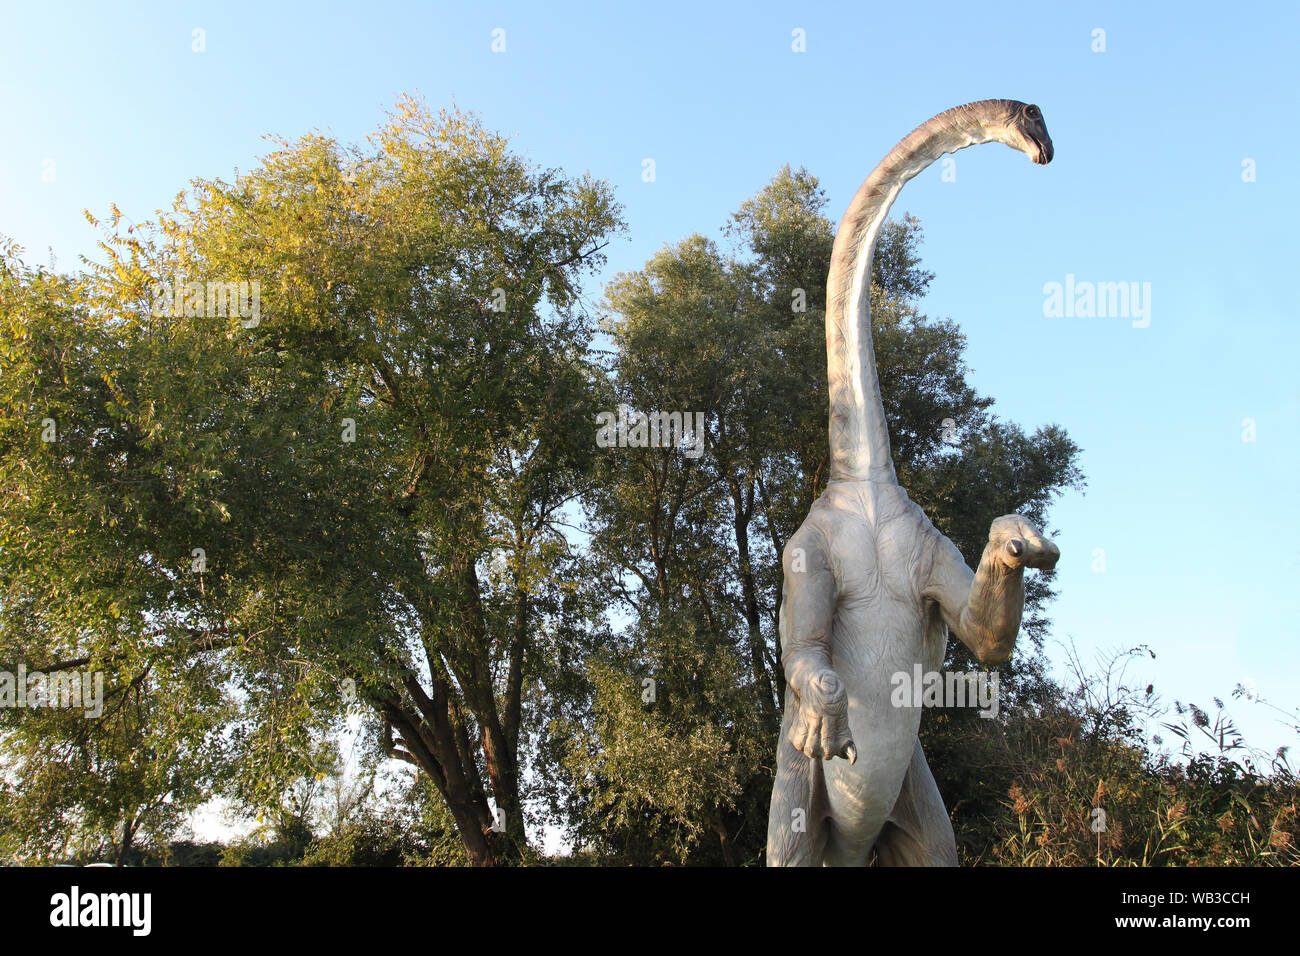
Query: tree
<point x="346" y="490"/>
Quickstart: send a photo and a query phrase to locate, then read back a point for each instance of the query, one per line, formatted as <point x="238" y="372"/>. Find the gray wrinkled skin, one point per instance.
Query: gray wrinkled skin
<point x="871" y="587"/>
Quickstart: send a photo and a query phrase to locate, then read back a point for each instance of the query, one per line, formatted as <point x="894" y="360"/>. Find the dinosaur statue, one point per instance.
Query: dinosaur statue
<point x="871" y="587"/>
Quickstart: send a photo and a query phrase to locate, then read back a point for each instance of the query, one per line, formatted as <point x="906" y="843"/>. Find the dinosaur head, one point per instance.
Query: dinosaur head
<point x="1023" y="128"/>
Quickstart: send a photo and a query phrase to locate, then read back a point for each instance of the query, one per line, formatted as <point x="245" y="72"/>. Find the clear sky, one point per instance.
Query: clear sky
<point x="1198" y="527"/>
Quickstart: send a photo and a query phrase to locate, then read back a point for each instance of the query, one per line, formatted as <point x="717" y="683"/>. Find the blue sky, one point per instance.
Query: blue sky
<point x="1199" y="527"/>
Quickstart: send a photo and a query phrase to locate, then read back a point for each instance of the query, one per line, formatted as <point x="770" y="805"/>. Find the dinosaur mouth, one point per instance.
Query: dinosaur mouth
<point x="1044" y="150"/>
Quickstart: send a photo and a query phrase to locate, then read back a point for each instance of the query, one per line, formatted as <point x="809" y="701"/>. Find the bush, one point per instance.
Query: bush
<point x="1081" y="785"/>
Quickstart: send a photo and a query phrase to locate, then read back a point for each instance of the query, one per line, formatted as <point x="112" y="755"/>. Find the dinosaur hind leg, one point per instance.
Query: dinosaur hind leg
<point x="918" y="832"/>
<point x="796" y="821"/>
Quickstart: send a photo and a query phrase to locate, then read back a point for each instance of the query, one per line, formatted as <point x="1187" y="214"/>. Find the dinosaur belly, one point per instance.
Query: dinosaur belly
<point x="873" y="642"/>
<point x="882" y="628"/>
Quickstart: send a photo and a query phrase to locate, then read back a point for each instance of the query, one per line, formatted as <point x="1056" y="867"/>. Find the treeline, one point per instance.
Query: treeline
<point x="351" y="469"/>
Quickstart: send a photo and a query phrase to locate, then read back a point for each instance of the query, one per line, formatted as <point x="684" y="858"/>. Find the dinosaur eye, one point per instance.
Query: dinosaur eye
<point x="1033" y="112"/>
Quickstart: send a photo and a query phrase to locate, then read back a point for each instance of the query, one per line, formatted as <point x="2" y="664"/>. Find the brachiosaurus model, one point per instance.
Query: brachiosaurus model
<point x="871" y="587"/>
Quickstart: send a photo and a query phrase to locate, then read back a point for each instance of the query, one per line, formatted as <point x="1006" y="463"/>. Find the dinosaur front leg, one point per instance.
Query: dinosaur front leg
<point x="984" y="609"/>
<point x="820" y="725"/>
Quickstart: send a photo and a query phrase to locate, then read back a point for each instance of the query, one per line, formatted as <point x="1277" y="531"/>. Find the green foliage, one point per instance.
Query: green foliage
<point x="345" y="496"/>
<point x="657" y="770"/>
<point x="1075" y="782"/>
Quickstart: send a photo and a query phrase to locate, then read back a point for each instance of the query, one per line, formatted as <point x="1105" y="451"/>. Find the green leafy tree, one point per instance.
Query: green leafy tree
<point x="344" y="491"/>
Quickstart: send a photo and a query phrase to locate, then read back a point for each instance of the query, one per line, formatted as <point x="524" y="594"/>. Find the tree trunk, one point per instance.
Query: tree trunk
<point x="434" y="751"/>
<point x="743" y="506"/>
<point x="724" y="840"/>
<point x="128" y="836"/>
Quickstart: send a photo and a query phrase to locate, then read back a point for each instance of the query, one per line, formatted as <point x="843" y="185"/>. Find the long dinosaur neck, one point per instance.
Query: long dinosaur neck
<point x="859" y="435"/>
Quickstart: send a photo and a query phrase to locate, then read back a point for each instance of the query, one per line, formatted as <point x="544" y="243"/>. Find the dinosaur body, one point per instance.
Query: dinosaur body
<point x="871" y="587"/>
